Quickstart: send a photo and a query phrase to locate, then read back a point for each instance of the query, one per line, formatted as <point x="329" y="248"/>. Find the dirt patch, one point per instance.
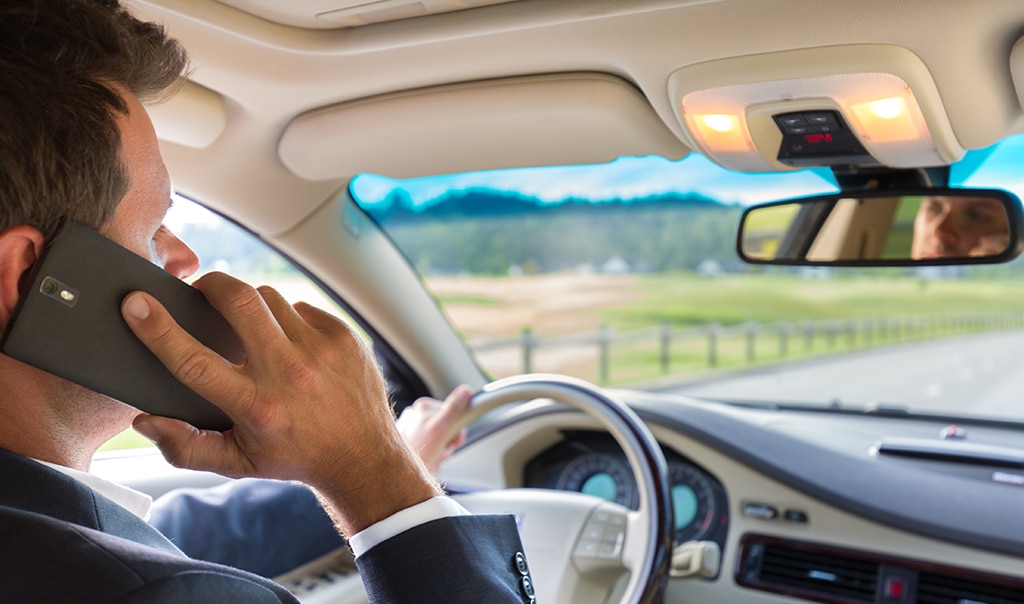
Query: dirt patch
<point x="549" y="304"/>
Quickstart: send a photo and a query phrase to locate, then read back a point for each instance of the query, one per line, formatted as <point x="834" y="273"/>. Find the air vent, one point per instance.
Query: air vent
<point x="943" y="589"/>
<point x="819" y="573"/>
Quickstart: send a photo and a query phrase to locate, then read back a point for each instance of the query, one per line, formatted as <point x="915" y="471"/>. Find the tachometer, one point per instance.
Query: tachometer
<point x="693" y="501"/>
<point x="601" y="475"/>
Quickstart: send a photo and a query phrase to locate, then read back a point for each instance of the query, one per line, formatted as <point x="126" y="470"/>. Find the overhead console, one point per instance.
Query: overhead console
<point x="865" y="105"/>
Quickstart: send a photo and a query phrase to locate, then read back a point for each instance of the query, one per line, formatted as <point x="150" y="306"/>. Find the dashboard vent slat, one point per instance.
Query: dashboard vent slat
<point x="819" y="573"/>
<point x="939" y="589"/>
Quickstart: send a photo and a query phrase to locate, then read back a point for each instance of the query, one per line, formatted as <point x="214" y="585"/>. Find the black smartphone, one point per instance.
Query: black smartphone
<point x="68" y="322"/>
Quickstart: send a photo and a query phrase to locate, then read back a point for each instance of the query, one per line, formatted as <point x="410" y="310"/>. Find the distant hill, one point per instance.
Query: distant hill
<point x="499" y="233"/>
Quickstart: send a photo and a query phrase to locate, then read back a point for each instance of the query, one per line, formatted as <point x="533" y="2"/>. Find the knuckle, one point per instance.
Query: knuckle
<point x="176" y="454"/>
<point x="242" y="299"/>
<point x="195" y="369"/>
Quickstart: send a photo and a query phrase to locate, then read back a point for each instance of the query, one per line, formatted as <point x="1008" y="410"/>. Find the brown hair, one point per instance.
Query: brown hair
<point x="62" y="63"/>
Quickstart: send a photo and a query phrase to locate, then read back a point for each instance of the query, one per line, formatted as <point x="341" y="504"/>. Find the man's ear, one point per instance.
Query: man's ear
<point x="20" y="247"/>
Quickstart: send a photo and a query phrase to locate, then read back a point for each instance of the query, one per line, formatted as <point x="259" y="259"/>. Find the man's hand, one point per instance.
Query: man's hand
<point x="425" y="423"/>
<point x="308" y="403"/>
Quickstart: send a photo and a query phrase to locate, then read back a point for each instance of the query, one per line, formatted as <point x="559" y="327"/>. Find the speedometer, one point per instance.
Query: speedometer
<point x="693" y="502"/>
<point x="601" y="475"/>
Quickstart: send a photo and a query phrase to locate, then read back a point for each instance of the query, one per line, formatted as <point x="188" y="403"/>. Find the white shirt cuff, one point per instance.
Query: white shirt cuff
<point x="403" y="520"/>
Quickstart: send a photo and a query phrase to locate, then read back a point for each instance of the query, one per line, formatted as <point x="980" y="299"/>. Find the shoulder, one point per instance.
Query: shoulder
<point x="48" y="560"/>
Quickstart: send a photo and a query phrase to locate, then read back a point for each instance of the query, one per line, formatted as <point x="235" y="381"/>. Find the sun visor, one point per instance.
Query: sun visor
<point x="529" y="121"/>
<point x="194" y="117"/>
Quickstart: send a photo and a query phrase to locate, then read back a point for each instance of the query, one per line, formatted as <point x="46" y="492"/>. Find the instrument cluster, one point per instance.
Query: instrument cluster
<point x="592" y="463"/>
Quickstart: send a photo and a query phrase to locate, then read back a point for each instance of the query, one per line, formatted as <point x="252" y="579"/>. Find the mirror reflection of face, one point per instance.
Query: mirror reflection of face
<point x="960" y="227"/>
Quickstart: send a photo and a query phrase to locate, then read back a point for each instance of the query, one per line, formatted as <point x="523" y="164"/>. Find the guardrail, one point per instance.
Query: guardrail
<point x="757" y="341"/>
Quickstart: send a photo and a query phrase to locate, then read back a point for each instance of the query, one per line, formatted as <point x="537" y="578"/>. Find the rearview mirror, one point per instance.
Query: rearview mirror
<point x="884" y="228"/>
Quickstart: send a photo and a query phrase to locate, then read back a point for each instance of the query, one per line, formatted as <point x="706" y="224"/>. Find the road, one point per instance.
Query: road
<point x="980" y="374"/>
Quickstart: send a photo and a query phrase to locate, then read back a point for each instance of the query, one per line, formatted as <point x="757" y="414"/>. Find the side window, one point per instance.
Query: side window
<point x="224" y="246"/>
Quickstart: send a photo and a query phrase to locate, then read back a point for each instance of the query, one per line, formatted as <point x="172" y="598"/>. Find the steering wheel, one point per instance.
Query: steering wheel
<point x="578" y="545"/>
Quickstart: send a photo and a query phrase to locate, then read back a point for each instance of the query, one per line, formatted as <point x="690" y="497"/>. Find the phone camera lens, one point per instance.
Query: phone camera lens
<point x="49" y="287"/>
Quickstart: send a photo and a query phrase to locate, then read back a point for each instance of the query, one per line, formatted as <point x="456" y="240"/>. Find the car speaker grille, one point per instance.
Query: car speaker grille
<point x="818" y="572"/>
<point x="941" y="589"/>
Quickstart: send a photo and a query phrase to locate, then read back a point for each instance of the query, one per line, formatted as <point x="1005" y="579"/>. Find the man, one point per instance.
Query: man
<point x="308" y="403"/>
<point x="959" y="227"/>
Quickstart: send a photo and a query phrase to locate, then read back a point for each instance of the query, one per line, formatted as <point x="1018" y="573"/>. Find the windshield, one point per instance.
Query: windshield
<point x="625" y="274"/>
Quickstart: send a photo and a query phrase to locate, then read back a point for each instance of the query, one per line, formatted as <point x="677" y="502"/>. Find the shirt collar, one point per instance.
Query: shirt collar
<point x="134" y="501"/>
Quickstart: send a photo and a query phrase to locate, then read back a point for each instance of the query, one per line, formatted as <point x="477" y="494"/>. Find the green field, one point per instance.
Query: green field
<point x="683" y="300"/>
<point x="900" y="308"/>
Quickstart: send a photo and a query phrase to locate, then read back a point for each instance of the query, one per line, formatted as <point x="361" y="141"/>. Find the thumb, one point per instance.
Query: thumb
<point x="456" y="403"/>
<point x="184" y="445"/>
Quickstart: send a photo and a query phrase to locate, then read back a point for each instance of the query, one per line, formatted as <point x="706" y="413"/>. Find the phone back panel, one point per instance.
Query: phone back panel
<point x="68" y="322"/>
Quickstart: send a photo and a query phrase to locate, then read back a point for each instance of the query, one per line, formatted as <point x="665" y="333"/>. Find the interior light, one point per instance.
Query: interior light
<point x="723" y="132"/>
<point x="886" y="121"/>
<point x="889" y="108"/>
<point x="720" y="122"/>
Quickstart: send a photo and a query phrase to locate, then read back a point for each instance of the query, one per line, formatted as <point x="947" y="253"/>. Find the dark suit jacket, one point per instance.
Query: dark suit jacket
<point x="60" y="541"/>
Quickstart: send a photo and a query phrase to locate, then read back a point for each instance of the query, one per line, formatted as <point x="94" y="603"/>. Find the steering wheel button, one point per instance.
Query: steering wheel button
<point x="612" y="536"/>
<point x="586" y="548"/>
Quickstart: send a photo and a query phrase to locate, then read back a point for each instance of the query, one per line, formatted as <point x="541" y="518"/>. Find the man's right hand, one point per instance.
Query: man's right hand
<point x="308" y="403"/>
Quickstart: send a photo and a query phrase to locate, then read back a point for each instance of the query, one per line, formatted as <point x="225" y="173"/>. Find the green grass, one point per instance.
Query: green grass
<point x="685" y="300"/>
<point x="690" y="357"/>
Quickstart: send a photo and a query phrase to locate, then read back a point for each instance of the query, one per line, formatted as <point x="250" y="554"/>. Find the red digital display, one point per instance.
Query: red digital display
<point x="813" y="139"/>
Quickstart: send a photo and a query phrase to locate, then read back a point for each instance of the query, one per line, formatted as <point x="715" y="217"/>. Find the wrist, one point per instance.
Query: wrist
<point x="393" y="480"/>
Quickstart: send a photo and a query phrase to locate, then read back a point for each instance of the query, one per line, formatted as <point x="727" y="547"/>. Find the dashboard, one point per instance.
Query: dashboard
<point x="802" y="504"/>
<point x="592" y="463"/>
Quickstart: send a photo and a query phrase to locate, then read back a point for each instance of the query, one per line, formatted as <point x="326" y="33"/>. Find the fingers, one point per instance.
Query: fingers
<point x="245" y="309"/>
<point x="193" y="364"/>
<point x="427" y="424"/>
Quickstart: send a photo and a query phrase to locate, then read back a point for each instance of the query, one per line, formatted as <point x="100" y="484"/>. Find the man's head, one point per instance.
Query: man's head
<point x="75" y="141"/>
<point x="959" y="227"/>
<point x="64" y="68"/>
